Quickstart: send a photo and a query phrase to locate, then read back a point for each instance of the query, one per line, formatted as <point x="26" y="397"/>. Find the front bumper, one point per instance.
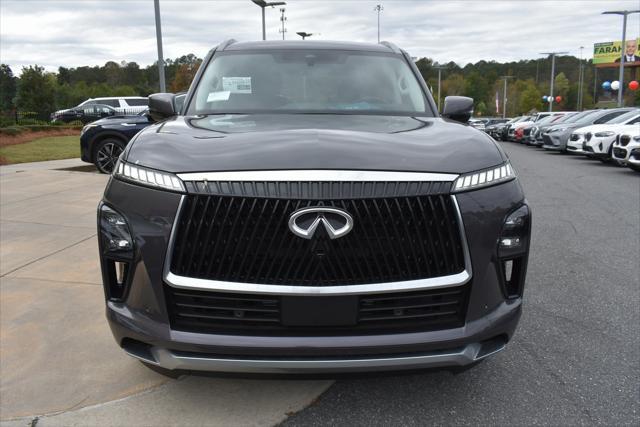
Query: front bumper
<point x="141" y="326"/>
<point x="456" y="347"/>
<point x="555" y="141"/>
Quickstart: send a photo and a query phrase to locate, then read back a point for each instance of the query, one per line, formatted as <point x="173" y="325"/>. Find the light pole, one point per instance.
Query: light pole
<point x="283" y="19"/>
<point x="439" y="68"/>
<point x="263" y="4"/>
<point x="553" y="71"/>
<point x="580" y="77"/>
<point x="379" y="8"/>
<point x="624" y="14"/>
<point x="163" y="86"/>
<point x="504" y="96"/>
<point x="304" y="35"/>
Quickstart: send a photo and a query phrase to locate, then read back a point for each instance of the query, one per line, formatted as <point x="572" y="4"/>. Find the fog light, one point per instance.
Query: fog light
<point x="510" y="242"/>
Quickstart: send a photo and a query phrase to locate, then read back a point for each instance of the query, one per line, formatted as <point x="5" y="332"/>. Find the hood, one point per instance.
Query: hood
<point x="603" y="127"/>
<point x="117" y="120"/>
<point x="313" y="141"/>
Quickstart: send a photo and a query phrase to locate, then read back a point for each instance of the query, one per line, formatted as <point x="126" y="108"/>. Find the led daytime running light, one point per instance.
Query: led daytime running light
<point x="484" y="178"/>
<point x="149" y="177"/>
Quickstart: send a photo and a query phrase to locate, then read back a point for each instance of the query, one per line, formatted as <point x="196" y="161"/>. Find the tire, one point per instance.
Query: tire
<point x="106" y="154"/>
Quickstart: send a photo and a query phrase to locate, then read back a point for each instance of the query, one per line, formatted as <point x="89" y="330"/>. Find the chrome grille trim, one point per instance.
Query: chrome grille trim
<point x="238" y="287"/>
<point x="317" y="175"/>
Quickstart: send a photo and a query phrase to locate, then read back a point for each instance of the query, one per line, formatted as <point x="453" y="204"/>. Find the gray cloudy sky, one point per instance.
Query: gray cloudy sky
<point x="83" y="32"/>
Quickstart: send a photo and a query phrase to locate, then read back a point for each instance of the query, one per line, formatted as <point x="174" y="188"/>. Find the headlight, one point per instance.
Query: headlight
<point x="558" y="130"/>
<point x="114" y="233"/>
<point x="604" y="134"/>
<point x="86" y="128"/>
<point x="149" y="177"/>
<point x="484" y="178"/>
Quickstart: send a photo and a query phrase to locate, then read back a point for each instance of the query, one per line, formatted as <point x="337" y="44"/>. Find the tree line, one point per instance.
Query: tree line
<point x="42" y="92"/>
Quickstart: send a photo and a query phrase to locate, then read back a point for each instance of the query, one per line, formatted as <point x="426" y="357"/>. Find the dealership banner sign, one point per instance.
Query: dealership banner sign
<point x="609" y="52"/>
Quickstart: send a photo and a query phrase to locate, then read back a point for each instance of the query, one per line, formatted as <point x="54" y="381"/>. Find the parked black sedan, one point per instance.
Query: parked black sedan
<point x="85" y="114"/>
<point x="102" y="141"/>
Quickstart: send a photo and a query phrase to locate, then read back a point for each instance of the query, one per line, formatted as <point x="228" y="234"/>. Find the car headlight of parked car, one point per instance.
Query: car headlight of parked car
<point x="149" y="177"/>
<point x="86" y="128"/>
<point x="604" y="134"/>
<point x="484" y="178"/>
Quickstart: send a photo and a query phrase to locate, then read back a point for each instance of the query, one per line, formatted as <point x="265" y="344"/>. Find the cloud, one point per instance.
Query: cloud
<point x="75" y="33"/>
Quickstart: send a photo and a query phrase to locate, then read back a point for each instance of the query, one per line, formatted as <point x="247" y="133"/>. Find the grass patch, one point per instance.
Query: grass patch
<point x="50" y="148"/>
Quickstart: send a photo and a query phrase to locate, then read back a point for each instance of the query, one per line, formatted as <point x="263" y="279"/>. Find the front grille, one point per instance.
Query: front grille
<point x="547" y="140"/>
<point x="247" y="239"/>
<point x="625" y="140"/>
<point x="259" y="315"/>
<point x="620" y="153"/>
<point x="588" y="136"/>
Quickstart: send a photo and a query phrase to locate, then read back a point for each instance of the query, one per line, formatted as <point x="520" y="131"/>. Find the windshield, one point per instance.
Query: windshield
<point x="320" y="81"/>
<point x="624" y="117"/>
<point x="578" y="117"/>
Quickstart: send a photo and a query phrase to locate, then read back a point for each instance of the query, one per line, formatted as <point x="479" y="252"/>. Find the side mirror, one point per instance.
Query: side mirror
<point x="458" y="108"/>
<point x="161" y="106"/>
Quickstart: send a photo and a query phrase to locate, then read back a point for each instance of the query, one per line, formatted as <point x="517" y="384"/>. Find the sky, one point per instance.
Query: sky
<point x="83" y="32"/>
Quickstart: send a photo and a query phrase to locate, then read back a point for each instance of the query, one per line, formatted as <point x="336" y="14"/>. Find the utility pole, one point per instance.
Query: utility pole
<point x="504" y="96"/>
<point x="379" y="8"/>
<point x="624" y="14"/>
<point x="553" y="71"/>
<point x="439" y="68"/>
<point x="580" y="76"/>
<point x="263" y="5"/>
<point x="163" y="86"/>
<point x="283" y="19"/>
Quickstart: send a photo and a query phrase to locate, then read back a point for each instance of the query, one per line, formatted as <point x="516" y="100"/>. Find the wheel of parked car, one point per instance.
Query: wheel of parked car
<point x="107" y="153"/>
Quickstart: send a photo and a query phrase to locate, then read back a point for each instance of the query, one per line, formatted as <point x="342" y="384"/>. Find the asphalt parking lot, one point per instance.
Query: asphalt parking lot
<point x="574" y="359"/>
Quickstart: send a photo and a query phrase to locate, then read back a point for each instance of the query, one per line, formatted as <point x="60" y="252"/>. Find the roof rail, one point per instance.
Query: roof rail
<point x="225" y="44"/>
<point x="391" y="46"/>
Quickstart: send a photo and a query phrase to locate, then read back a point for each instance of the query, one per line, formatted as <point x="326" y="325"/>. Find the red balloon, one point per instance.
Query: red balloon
<point x="558" y="99"/>
<point x="633" y="85"/>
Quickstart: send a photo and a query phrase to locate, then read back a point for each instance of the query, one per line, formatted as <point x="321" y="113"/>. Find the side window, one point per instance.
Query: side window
<point x="111" y="102"/>
<point x="634" y="121"/>
<point x="136" y="102"/>
<point x="607" y="117"/>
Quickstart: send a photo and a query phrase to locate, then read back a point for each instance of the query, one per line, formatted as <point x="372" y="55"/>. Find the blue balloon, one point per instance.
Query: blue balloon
<point x="606" y="85"/>
<point x="544" y="98"/>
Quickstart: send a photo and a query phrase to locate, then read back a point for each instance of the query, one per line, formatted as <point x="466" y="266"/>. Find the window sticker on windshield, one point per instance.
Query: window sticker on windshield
<point x="218" y="96"/>
<point x="237" y="84"/>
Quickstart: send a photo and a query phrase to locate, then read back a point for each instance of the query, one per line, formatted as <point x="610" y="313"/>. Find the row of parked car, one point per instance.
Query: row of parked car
<point x="611" y="135"/>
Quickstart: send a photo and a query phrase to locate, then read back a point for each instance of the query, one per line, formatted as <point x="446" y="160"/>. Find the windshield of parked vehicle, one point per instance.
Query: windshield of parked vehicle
<point x="317" y="81"/>
<point x="578" y="117"/>
<point x="624" y="117"/>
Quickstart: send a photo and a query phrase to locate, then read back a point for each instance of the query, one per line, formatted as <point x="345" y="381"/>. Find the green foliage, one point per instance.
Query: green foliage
<point x="530" y="98"/>
<point x="7" y="87"/>
<point x="561" y="85"/>
<point x="36" y="90"/>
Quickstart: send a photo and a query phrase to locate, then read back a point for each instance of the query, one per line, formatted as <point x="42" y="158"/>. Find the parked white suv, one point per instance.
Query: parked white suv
<point x="596" y="140"/>
<point x="129" y="105"/>
<point x="626" y="148"/>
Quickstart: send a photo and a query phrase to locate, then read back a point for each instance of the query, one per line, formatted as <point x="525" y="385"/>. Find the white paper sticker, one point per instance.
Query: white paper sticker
<point x="237" y="84"/>
<point x="218" y="96"/>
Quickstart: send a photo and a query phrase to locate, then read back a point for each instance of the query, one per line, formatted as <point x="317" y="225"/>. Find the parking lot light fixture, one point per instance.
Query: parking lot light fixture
<point x="264" y="4"/>
<point x="304" y="34"/>
<point x="624" y="14"/>
<point x="553" y="71"/>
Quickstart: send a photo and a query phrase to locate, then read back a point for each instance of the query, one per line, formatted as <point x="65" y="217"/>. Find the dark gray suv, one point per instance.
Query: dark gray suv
<point x="310" y="211"/>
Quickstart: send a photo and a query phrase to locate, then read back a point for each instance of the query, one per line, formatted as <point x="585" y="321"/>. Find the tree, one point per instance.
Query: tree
<point x="530" y="98"/>
<point x="7" y="87"/>
<point x="561" y="85"/>
<point x="476" y="87"/>
<point x="183" y="77"/>
<point x="36" y="91"/>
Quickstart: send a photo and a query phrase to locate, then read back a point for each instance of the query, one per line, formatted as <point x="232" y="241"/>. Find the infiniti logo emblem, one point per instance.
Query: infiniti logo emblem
<point x="305" y="222"/>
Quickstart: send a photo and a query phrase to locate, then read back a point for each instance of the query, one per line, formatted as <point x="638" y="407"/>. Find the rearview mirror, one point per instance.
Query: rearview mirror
<point x="162" y="106"/>
<point x="458" y="108"/>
